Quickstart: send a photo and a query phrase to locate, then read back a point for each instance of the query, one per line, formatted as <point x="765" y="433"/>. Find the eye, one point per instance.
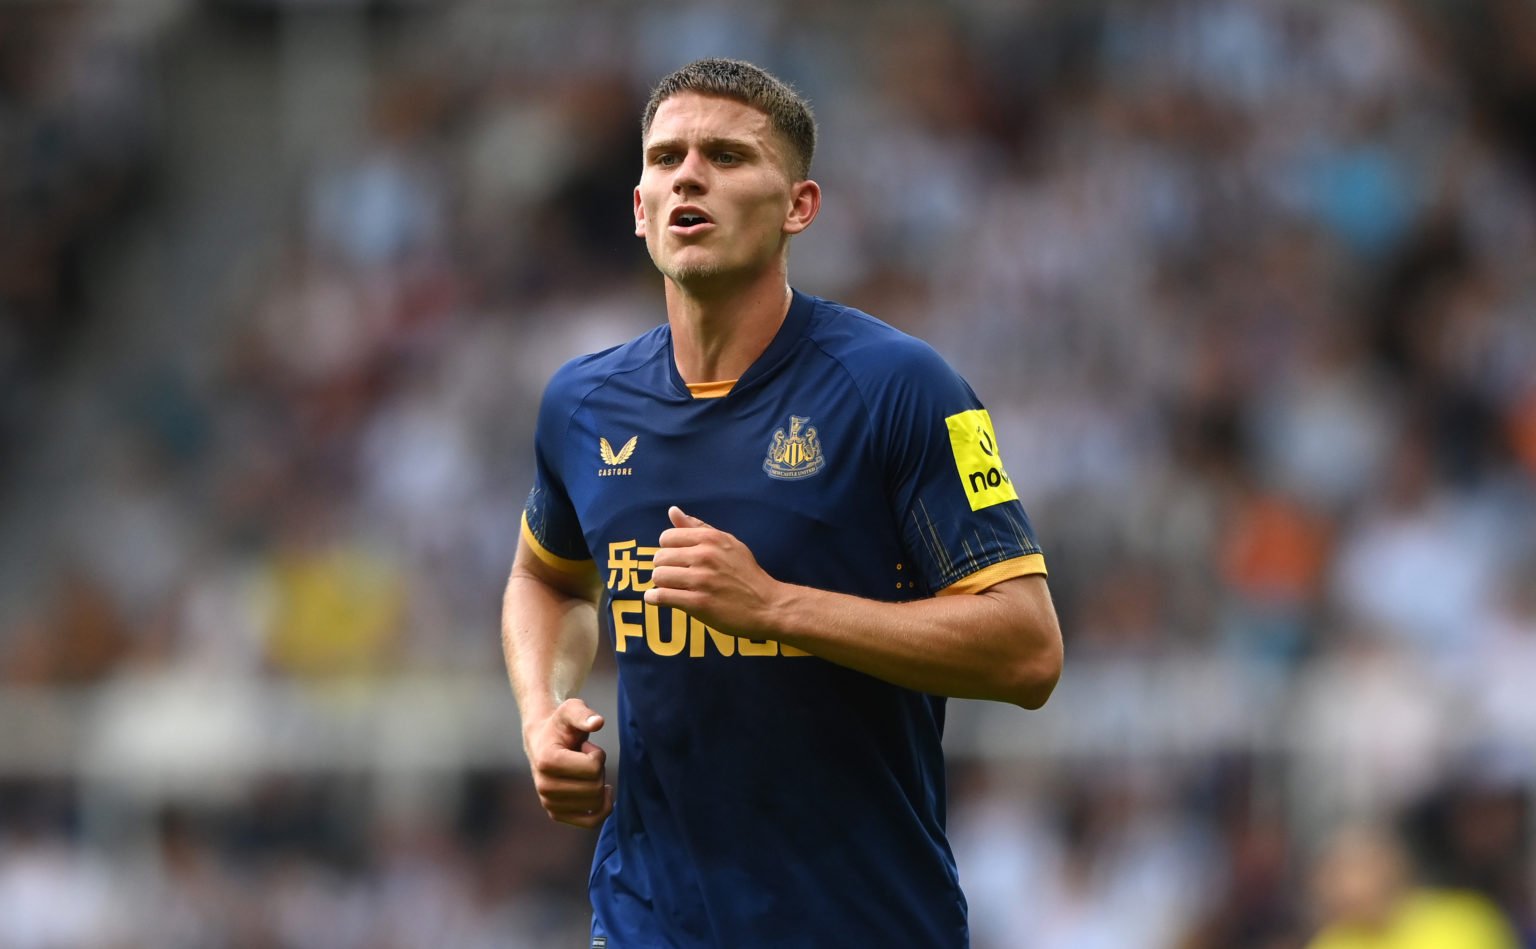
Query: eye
<point x="727" y="158"/>
<point x="666" y="159"/>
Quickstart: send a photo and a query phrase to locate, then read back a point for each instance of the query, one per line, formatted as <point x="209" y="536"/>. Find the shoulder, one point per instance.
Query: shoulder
<point x="579" y="377"/>
<point x="578" y="381"/>
<point x="878" y="356"/>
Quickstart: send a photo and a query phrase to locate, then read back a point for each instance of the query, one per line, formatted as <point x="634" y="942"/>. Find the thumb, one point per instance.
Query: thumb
<point x="680" y="519"/>
<point x="577" y="717"/>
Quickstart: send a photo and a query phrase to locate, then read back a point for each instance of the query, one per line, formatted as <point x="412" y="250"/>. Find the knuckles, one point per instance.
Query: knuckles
<point x="587" y="811"/>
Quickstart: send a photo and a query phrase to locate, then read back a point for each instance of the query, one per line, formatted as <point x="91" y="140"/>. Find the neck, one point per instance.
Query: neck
<point x="717" y="336"/>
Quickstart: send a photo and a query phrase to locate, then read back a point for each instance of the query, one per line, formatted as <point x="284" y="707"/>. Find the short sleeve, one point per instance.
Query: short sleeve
<point x="550" y="524"/>
<point x="962" y="523"/>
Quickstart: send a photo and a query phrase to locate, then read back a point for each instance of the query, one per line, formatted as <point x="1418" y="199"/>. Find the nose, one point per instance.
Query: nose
<point x="691" y="174"/>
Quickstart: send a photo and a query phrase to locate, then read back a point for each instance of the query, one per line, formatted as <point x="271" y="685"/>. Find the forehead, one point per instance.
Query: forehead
<point x="692" y="116"/>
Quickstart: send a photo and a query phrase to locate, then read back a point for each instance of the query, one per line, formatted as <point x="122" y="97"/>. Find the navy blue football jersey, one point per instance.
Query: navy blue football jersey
<point x="766" y="797"/>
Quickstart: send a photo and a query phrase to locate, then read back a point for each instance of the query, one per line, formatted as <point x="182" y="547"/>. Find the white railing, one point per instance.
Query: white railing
<point x="168" y="734"/>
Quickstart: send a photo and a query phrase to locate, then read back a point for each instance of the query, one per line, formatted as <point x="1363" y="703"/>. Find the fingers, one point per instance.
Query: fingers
<point x="584" y="802"/>
<point x="589" y="818"/>
<point x="570" y="773"/>
<point x="696" y="566"/>
<point x="685" y="586"/>
<point x="682" y="577"/>
<point x="579" y="807"/>
<point x="689" y="601"/>
<point x="579" y="782"/>
<point x="687" y="530"/>
<point x="585" y="764"/>
<point x="674" y="538"/>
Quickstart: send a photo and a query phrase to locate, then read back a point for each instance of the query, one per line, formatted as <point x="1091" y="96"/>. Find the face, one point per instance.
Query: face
<point x="715" y="200"/>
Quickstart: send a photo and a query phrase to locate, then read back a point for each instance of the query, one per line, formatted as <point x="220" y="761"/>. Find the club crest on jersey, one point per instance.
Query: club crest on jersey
<point x="796" y="454"/>
<point x="613" y="461"/>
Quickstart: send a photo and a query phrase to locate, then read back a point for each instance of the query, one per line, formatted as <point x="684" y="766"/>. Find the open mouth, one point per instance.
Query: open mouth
<point x="687" y="218"/>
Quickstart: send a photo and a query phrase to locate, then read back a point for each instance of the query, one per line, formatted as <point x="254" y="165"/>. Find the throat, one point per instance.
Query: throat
<point x="720" y="341"/>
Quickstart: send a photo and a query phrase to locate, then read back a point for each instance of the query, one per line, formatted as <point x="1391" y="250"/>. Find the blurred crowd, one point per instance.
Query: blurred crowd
<point x="1249" y="287"/>
<point x="76" y="154"/>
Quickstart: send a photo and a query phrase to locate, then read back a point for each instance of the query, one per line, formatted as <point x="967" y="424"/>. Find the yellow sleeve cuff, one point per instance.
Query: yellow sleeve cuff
<point x="1024" y="566"/>
<point x="574" y="567"/>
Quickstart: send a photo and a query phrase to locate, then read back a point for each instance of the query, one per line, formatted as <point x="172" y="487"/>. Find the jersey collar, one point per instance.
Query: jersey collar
<point x="790" y="331"/>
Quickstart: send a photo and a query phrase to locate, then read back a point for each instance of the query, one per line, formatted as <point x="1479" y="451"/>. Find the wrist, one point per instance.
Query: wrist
<point x="782" y="610"/>
<point x="535" y="715"/>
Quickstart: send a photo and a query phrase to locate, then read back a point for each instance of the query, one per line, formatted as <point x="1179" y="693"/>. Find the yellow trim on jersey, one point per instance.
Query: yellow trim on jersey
<point x="1024" y="566"/>
<point x="711" y="390"/>
<point x="576" y="567"/>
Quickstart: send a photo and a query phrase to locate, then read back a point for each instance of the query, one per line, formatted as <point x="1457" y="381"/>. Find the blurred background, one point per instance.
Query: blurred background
<point x="1249" y="287"/>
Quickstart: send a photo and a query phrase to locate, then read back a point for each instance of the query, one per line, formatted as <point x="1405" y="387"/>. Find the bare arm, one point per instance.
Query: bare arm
<point x="549" y="639"/>
<point x="548" y="633"/>
<point x="1003" y="643"/>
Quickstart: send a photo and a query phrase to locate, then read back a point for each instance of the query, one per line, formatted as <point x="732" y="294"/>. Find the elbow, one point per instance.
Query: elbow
<point x="1035" y="676"/>
<point x="1033" y="637"/>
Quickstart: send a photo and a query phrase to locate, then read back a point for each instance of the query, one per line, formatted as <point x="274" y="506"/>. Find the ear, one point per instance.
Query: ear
<point x="639" y="215"/>
<point x="804" y="203"/>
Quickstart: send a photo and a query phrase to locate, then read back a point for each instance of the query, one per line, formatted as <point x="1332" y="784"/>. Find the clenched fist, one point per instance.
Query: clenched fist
<point x="569" y="771"/>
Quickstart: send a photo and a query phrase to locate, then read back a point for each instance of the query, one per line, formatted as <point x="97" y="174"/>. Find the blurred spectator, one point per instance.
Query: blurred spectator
<point x="1503" y="702"/>
<point x="1273" y="555"/>
<point x="1367" y="899"/>
<point x="1420" y="564"/>
<point x="1371" y="727"/>
<point x="336" y="603"/>
<point x="76" y="152"/>
<point x="1253" y="905"/>
<point x="54" y="895"/>
<point x="1472" y="834"/>
<point x="81" y="638"/>
<point x="1119" y="866"/>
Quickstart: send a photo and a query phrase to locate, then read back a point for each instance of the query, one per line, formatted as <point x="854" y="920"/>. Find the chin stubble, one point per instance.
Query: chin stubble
<point x="695" y="272"/>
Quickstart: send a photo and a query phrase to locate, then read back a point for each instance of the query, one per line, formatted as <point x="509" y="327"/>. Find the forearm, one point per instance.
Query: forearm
<point x="1002" y="644"/>
<point x="549" y="640"/>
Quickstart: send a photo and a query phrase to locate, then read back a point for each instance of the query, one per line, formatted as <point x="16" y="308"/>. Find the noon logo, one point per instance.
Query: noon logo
<point x="974" y="444"/>
<point x="796" y="454"/>
<point x="614" y="460"/>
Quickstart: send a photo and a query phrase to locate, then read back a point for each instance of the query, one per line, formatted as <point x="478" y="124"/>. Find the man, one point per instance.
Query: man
<point x="776" y="493"/>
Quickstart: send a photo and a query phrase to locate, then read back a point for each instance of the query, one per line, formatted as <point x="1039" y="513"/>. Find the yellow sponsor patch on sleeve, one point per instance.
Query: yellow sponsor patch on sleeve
<point x="976" y="458"/>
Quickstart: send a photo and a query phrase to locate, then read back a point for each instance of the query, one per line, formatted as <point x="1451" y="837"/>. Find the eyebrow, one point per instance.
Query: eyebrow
<point x="715" y="142"/>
